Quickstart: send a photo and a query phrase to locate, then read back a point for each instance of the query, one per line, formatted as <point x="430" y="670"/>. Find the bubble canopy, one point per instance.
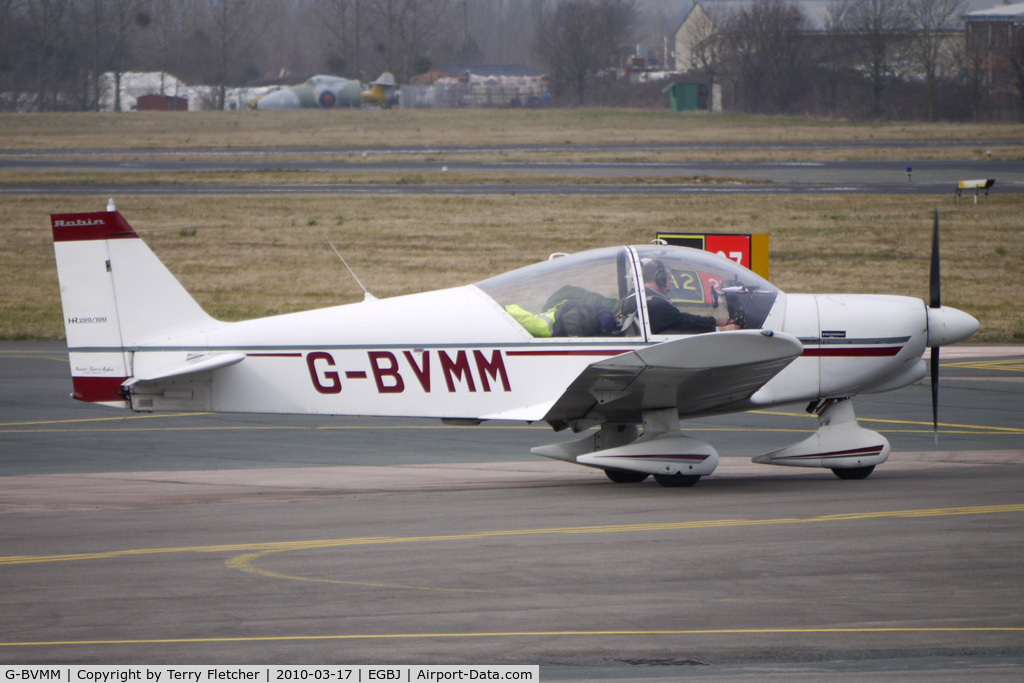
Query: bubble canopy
<point x="608" y="279"/>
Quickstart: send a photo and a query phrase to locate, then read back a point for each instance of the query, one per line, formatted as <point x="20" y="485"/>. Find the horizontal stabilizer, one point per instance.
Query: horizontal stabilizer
<point x="148" y="370"/>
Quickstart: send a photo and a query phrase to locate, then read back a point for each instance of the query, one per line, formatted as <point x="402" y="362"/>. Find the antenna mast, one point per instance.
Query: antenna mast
<point x="366" y="294"/>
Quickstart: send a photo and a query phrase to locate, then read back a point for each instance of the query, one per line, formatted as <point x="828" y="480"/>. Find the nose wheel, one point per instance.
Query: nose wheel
<point x="625" y="476"/>
<point x="853" y="472"/>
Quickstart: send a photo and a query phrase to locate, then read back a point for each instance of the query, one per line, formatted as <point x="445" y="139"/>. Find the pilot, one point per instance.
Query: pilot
<point x="664" y="317"/>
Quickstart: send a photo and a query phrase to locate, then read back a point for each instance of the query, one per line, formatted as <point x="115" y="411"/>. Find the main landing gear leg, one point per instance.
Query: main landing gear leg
<point x="662" y="450"/>
<point x="627" y="456"/>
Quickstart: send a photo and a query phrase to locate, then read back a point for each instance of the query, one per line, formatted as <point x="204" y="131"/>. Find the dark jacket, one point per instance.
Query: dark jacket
<point x="665" y="318"/>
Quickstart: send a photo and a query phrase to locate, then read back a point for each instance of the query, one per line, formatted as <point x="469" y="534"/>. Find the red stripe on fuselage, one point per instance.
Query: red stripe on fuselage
<point x="862" y="352"/>
<point x="97" y="389"/>
<point x="568" y="352"/>
<point x="98" y="225"/>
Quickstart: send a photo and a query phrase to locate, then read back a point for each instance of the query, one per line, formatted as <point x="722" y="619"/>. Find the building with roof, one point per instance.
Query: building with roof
<point x="155" y="102"/>
<point x="823" y="46"/>
<point x="704" y="20"/>
<point x="994" y="40"/>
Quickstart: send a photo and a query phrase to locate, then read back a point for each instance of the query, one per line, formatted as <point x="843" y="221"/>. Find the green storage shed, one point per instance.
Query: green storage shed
<point x="683" y="96"/>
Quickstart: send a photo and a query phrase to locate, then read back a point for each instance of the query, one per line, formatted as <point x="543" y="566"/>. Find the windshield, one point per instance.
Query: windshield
<point x="705" y="285"/>
<point x="576" y="295"/>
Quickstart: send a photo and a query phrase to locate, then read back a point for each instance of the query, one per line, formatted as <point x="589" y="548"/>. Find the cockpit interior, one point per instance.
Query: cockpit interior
<point x="596" y="293"/>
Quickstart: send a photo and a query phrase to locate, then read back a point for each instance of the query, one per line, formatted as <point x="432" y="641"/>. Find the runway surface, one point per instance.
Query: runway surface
<point x="251" y="539"/>
<point x="321" y="150"/>
<point x="846" y="187"/>
<point x="771" y="177"/>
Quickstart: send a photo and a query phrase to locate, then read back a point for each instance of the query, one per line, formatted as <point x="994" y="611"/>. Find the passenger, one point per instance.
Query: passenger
<point x="664" y="317"/>
<point x="537" y="324"/>
<point x="565" y="319"/>
<point x="580" y="295"/>
<point x="582" y="320"/>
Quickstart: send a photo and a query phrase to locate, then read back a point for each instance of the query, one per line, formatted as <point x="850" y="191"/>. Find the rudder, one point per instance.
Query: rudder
<point x="116" y="294"/>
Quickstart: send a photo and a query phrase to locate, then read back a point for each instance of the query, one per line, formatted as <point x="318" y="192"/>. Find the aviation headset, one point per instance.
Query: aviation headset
<point x="655" y="271"/>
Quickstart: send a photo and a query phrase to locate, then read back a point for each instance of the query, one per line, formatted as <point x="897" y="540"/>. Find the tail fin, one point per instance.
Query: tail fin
<point x="116" y="295"/>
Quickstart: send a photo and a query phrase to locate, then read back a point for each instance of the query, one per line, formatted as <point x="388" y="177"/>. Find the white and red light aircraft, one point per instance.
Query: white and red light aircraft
<point x="568" y="341"/>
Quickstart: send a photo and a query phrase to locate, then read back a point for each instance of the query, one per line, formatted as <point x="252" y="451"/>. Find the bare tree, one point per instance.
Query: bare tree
<point x="172" y="24"/>
<point x="767" y="49"/>
<point x="13" y="49"/>
<point x="578" y="38"/>
<point x="877" y="25"/>
<point x="386" y="17"/>
<point x="832" y="55"/>
<point x="126" y="16"/>
<point x="47" y="19"/>
<point x="343" y="21"/>
<point x="403" y="30"/>
<point x="934" y="21"/>
<point x="93" y="24"/>
<point x="422" y="21"/>
<point x="512" y="21"/>
<point x="235" y="25"/>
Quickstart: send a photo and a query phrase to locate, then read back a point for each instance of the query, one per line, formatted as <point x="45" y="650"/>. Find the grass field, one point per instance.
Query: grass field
<point x="250" y="256"/>
<point x="369" y="128"/>
<point x="246" y="256"/>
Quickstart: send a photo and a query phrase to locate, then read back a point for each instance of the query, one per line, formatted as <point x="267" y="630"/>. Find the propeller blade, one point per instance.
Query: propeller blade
<point x="934" y="280"/>
<point x="935" y="301"/>
<point x="935" y="392"/>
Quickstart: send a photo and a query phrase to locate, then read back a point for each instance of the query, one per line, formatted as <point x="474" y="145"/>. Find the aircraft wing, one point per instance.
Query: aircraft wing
<point x="699" y="374"/>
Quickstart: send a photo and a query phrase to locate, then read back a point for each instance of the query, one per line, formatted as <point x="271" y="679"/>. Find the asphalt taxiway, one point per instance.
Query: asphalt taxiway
<point x="250" y="539"/>
<point x="928" y="177"/>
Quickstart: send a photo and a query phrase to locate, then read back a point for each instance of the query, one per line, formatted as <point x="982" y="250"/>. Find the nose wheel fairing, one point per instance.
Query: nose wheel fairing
<point x="839" y="444"/>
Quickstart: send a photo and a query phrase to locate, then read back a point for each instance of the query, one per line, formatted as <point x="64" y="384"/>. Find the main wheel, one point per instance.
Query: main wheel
<point x="853" y="472"/>
<point x="625" y="476"/>
<point x="676" y="480"/>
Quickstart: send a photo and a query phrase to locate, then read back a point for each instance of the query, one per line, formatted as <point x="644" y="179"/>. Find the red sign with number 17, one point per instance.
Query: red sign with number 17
<point x="733" y="247"/>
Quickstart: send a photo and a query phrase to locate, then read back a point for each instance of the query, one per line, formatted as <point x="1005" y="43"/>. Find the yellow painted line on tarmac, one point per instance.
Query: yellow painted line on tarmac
<point x="943" y="426"/>
<point x="53" y="426"/>
<point x="1005" y="365"/>
<point x="529" y="634"/>
<point x="265" y="428"/>
<point x="120" y="418"/>
<point x="35" y="355"/>
<point x="244" y="563"/>
<point x="481" y="535"/>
